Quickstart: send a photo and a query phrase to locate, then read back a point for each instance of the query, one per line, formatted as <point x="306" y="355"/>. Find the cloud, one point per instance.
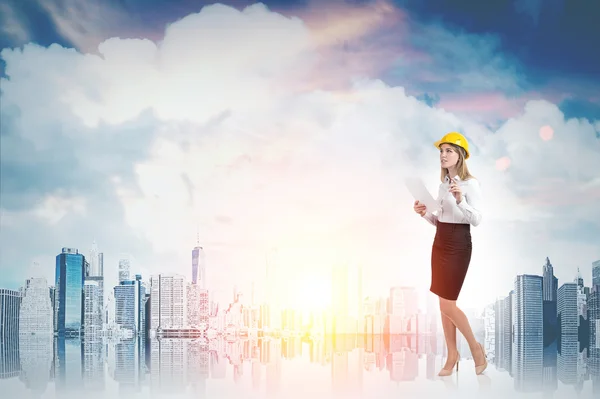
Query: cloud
<point x="147" y="143"/>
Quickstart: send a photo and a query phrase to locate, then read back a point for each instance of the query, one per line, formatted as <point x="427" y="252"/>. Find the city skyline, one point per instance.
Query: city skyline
<point x="127" y="270"/>
<point x="132" y="285"/>
<point x="149" y="315"/>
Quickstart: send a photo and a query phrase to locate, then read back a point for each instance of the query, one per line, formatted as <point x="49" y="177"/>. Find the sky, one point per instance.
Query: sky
<point x="146" y="125"/>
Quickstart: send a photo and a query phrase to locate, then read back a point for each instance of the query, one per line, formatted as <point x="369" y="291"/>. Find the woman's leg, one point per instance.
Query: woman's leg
<point x="450" y="336"/>
<point x="459" y="319"/>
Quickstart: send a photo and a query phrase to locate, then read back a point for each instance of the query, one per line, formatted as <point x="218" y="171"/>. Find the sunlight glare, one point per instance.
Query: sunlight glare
<point x="312" y="293"/>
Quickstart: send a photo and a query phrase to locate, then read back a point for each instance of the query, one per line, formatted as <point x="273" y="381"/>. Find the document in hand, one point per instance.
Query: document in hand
<point x="420" y="193"/>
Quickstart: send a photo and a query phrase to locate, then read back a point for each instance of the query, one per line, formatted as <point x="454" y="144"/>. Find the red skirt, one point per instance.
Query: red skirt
<point x="450" y="258"/>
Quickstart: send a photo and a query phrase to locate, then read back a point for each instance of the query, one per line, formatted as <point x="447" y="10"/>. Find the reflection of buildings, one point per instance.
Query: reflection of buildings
<point x="68" y="363"/>
<point x="528" y="337"/>
<point x="167" y="367"/>
<point x="198" y="365"/>
<point x="35" y="352"/>
<point x="594" y="369"/>
<point x="129" y="365"/>
<point x="273" y="367"/>
<point x="550" y="376"/>
<point x="10" y="303"/>
<point x="528" y="363"/>
<point x="403" y="364"/>
<point x="347" y="364"/>
<point x="185" y="365"/>
<point x="93" y="365"/>
<point x="567" y="359"/>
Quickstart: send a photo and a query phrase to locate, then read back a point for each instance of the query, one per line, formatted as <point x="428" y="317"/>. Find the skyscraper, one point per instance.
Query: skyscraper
<point x="35" y="316"/>
<point x="339" y="299"/>
<point x="273" y="310"/>
<point x="528" y="304"/>
<point x="70" y="274"/>
<point x="124" y="269"/>
<point x="596" y="273"/>
<point x="503" y="319"/>
<point x="403" y="309"/>
<point x="567" y="309"/>
<point x="96" y="272"/>
<point x="92" y="311"/>
<point x="10" y="302"/>
<point x="197" y="306"/>
<point x="167" y="296"/>
<point x="594" y="316"/>
<point x="198" y="264"/>
<point x="96" y="260"/>
<point x="550" y="282"/>
<point x="550" y="305"/>
<point x="130" y="309"/>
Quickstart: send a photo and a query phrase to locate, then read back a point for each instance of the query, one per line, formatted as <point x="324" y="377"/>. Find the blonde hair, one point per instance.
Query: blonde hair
<point x="461" y="165"/>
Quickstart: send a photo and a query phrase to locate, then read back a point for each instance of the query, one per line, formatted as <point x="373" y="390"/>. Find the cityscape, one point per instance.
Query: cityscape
<point x="168" y="334"/>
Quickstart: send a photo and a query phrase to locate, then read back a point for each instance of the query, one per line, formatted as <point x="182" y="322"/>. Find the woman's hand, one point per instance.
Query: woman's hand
<point x="456" y="191"/>
<point x="419" y="208"/>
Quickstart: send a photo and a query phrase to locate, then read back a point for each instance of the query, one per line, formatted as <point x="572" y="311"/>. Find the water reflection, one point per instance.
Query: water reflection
<point x="342" y="366"/>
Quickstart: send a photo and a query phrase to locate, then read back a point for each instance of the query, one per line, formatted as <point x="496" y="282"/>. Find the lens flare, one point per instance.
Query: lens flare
<point x="503" y="163"/>
<point x="546" y="133"/>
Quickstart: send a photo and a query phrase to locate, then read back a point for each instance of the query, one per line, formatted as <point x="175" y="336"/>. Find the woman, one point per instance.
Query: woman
<point x="459" y="200"/>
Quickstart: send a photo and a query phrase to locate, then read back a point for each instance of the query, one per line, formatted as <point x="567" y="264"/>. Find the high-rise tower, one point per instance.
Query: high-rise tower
<point x="70" y="275"/>
<point x="198" y="264"/>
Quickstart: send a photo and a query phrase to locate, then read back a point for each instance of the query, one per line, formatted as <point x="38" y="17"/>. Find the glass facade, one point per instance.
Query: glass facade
<point x="130" y="305"/>
<point x="10" y="302"/>
<point x="567" y="309"/>
<point x="596" y="273"/>
<point x="528" y="317"/>
<point x="70" y="274"/>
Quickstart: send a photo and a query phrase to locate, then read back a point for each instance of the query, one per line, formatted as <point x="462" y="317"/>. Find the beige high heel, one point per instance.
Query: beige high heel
<point x="446" y="372"/>
<point x="479" y="369"/>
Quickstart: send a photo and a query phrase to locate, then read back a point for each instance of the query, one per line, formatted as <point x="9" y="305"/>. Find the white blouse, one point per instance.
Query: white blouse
<point x="468" y="211"/>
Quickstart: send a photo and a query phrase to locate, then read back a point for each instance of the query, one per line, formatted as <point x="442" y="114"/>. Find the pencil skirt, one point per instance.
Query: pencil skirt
<point x="450" y="258"/>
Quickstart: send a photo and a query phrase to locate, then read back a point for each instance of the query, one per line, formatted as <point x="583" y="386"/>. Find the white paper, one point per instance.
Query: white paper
<point x="420" y="193"/>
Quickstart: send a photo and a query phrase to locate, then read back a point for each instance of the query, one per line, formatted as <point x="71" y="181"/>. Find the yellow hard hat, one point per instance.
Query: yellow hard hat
<point x="456" y="139"/>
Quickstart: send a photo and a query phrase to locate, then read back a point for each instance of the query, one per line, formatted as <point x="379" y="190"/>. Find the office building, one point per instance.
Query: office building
<point x="70" y="275"/>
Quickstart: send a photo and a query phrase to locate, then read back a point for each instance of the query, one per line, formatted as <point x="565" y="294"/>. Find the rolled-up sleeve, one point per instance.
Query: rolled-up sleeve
<point x="472" y="202"/>
<point x="431" y="218"/>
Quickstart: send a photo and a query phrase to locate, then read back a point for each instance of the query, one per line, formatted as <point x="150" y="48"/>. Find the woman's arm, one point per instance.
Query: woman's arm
<point x="472" y="202"/>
